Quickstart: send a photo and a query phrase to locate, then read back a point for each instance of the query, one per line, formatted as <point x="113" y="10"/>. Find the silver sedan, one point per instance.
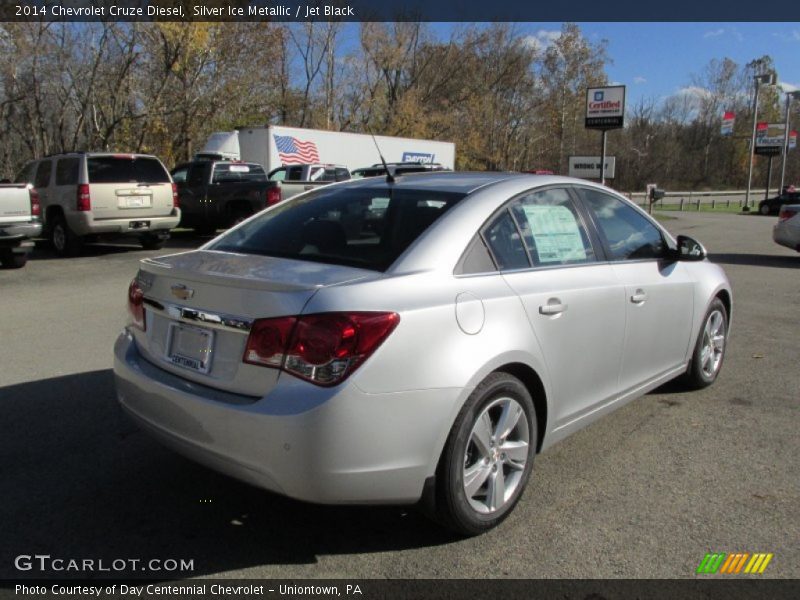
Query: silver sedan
<point x="417" y="340"/>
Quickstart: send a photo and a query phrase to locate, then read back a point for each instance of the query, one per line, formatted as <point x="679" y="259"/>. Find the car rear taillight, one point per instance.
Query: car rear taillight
<point x="136" y="304"/>
<point x="273" y="196"/>
<point x="323" y="349"/>
<point x="786" y="213"/>
<point x="84" y="199"/>
<point x="36" y="205"/>
<point x="175" y="203"/>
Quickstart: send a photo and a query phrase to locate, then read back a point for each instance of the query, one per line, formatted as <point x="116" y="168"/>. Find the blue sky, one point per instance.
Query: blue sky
<point x="657" y="60"/>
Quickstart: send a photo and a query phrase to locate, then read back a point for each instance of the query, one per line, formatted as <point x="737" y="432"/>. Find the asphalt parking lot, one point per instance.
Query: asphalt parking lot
<point x="645" y="492"/>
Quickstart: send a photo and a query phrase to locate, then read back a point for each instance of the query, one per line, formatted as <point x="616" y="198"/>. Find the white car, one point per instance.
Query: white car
<point x="381" y="341"/>
<point x="787" y="230"/>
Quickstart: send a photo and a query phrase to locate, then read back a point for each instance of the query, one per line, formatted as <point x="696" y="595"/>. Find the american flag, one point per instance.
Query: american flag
<point x="293" y="151"/>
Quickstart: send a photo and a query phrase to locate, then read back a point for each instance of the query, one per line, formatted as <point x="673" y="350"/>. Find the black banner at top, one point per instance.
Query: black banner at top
<point x="392" y="10"/>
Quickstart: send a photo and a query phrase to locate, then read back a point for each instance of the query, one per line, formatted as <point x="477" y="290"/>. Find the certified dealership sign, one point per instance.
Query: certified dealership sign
<point x="605" y="107"/>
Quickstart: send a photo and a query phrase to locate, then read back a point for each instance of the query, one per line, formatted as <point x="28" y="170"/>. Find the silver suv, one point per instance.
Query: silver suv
<point x="86" y="196"/>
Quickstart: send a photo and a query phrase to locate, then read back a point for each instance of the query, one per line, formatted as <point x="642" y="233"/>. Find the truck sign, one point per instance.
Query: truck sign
<point x="769" y="138"/>
<point x="418" y="157"/>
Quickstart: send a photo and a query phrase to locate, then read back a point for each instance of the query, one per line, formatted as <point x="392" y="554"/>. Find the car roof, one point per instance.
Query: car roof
<point x="463" y="182"/>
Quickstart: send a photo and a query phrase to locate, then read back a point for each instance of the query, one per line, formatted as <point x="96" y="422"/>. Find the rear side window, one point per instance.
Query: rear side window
<point x="628" y="233"/>
<point x="235" y="172"/>
<point x="42" y="179"/>
<point x="367" y="228"/>
<point x="123" y="169"/>
<point x="552" y="229"/>
<point x="67" y="171"/>
<point x="503" y="238"/>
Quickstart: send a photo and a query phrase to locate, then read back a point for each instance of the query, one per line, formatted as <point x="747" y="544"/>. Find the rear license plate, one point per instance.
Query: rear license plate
<point x="190" y="347"/>
<point x="139" y="224"/>
<point x="135" y="202"/>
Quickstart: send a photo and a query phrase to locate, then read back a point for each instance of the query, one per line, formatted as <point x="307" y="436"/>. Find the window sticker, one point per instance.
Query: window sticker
<point x="556" y="234"/>
<point x="239" y="169"/>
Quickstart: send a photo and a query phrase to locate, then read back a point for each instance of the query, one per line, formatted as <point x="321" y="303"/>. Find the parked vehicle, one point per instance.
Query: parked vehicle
<point x="275" y="147"/>
<point x="787" y="230"/>
<point x="422" y="340"/>
<point x="218" y="194"/>
<point x="772" y="206"/>
<point x="20" y="221"/>
<point x="296" y="179"/>
<point x="402" y="168"/>
<point x="87" y="196"/>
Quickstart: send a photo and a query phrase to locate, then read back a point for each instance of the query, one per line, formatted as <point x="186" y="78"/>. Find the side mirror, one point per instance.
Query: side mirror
<point x="690" y="249"/>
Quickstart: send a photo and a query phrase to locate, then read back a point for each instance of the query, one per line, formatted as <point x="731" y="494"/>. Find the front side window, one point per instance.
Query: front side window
<point x="552" y="228"/>
<point x="628" y="233"/>
<point x="366" y="228"/>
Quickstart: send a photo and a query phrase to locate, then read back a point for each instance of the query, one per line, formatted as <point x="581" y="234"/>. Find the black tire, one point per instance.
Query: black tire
<point x="453" y="508"/>
<point x="151" y="241"/>
<point x="10" y="260"/>
<point x="699" y="376"/>
<point x="764" y="209"/>
<point x="63" y="240"/>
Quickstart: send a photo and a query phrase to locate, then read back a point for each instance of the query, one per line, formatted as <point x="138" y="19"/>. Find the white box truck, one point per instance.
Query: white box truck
<point x="275" y="146"/>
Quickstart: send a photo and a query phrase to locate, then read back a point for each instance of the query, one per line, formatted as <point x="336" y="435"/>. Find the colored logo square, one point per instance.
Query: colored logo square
<point x="598" y="96"/>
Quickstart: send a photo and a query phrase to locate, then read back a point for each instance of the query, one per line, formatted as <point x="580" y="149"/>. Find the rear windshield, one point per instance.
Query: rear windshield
<point x="366" y="228"/>
<point x="122" y="169"/>
<point x="235" y="172"/>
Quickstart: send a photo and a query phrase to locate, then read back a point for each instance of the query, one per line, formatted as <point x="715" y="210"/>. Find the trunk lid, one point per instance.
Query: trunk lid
<point x="199" y="307"/>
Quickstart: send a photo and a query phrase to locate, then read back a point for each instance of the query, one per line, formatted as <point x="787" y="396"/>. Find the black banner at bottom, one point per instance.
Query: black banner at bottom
<point x="412" y="589"/>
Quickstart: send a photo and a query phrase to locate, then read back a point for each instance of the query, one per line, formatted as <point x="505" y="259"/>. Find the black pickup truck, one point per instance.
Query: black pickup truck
<point x="218" y="194"/>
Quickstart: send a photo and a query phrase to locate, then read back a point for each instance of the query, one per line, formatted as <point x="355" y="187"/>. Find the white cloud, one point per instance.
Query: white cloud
<point x="639" y="79"/>
<point x="792" y="36"/>
<point x="542" y="39"/>
<point x="788" y="87"/>
<point x="732" y="32"/>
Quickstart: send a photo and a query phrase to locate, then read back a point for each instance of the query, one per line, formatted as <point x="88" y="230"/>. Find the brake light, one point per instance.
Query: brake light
<point x="324" y="348"/>
<point x="84" y="199"/>
<point x="786" y="213"/>
<point x="36" y="205"/>
<point x="136" y="304"/>
<point x="273" y="195"/>
<point x="175" y="203"/>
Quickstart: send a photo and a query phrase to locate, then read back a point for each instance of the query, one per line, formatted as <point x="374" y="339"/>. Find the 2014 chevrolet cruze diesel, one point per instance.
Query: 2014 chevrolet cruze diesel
<point x="415" y="340"/>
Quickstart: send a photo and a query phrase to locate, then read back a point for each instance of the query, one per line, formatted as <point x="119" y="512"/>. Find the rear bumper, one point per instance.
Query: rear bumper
<point x="85" y="224"/>
<point x="325" y="445"/>
<point x="18" y="235"/>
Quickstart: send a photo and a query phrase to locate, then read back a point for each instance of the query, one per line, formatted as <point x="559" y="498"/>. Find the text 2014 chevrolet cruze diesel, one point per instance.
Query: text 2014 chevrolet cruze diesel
<point x="422" y="339"/>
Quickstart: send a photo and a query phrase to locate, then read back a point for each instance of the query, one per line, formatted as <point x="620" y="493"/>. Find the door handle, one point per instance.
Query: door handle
<point x="553" y="307"/>
<point x="639" y="297"/>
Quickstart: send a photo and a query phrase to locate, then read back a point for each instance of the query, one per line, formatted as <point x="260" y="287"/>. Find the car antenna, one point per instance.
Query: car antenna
<point x="389" y="175"/>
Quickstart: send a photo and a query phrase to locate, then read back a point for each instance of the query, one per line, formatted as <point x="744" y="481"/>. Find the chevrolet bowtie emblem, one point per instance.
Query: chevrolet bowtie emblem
<point x="182" y="292"/>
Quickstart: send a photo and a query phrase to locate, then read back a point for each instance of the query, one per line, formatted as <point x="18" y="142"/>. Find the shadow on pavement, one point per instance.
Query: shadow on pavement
<point x="80" y="481"/>
<point x="757" y="260"/>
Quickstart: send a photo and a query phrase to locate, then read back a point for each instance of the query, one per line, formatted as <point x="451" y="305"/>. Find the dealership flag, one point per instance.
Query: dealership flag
<point x="792" y="140"/>
<point x="728" y="119"/>
<point x="293" y="151"/>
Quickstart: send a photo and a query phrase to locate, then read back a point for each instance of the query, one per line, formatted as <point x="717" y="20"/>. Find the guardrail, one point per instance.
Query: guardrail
<point x="691" y="200"/>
